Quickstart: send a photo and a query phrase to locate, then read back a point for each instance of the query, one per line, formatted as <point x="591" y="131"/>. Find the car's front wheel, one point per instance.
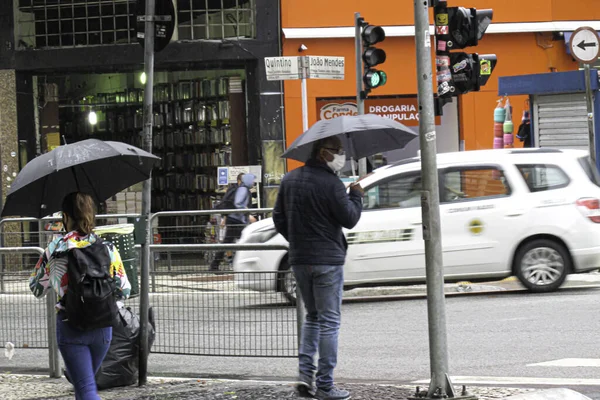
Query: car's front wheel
<point x="287" y="282"/>
<point x="542" y="265"/>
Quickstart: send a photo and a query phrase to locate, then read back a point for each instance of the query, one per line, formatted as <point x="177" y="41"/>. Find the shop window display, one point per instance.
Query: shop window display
<point x="191" y="134"/>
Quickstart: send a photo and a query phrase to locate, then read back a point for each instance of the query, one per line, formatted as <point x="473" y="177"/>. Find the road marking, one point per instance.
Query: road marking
<point x="506" y="380"/>
<point x="569" y="362"/>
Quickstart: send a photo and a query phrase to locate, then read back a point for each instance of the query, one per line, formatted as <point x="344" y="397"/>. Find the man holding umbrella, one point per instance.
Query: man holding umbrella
<point x="312" y="208"/>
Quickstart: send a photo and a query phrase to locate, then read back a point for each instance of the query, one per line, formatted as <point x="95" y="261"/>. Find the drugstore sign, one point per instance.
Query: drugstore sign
<point x="402" y="109"/>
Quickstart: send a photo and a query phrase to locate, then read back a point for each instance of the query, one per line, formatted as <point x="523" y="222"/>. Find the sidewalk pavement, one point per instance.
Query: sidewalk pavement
<point x="21" y="387"/>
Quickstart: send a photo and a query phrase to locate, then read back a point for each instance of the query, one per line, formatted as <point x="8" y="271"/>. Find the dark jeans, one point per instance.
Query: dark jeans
<point x="233" y="232"/>
<point x="321" y="287"/>
<point x="83" y="353"/>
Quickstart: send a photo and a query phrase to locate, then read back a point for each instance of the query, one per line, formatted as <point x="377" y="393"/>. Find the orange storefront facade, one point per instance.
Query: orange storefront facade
<point x="527" y="37"/>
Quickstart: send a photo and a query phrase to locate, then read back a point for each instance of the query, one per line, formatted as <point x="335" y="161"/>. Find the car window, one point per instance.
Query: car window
<point x="469" y="183"/>
<point x="590" y="170"/>
<point x="541" y="177"/>
<point x="402" y="191"/>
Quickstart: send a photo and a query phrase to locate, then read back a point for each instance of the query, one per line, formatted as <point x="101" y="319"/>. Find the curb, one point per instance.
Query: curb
<point x="419" y="296"/>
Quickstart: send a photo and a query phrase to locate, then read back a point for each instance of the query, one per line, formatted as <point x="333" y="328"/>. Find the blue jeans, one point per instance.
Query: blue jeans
<point x="321" y="287"/>
<point x="83" y="353"/>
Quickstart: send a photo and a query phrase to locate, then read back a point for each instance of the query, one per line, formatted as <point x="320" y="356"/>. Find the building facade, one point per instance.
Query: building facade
<point x="71" y="70"/>
<point x="527" y="37"/>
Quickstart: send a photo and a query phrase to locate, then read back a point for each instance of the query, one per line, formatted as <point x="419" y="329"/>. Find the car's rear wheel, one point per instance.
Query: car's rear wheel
<point x="542" y="265"/>
<point x="286" y="282"/>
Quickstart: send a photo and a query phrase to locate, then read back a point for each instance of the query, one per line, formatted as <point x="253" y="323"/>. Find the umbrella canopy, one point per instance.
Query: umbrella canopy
<point x="361" y="135"/>
<point x="98" y="168"/>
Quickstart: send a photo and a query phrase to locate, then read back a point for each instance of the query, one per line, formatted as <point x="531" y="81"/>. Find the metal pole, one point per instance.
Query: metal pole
<point x="440" y="385"/>
<point x="53" y="358"/>
<point x="51" y="300"/>
<point x="146" y="194"/>
<point x="590" y="110"/>
<point x="299" y="312"/>
<point x="303" y="62"/>
<point x="2" y="265"/>
<point x="360" y="102"/>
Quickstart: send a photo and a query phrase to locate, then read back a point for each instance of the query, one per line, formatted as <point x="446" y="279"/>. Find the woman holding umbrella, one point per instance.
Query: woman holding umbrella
<point x="73" y="178"/>
<point x="82" y="350"/>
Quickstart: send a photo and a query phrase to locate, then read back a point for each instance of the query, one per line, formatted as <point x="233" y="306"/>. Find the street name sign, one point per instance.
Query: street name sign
<point x="304" y="67"/>
<point x="324" y="67"/>
<point x="283" y="68"/>
<point x="164" y="25"/>
<point x="585" y="45"/>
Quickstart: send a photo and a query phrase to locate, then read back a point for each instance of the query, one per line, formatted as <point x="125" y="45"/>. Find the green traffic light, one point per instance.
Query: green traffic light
<point x="382" y="78"/>
<point x="375" y="78"/>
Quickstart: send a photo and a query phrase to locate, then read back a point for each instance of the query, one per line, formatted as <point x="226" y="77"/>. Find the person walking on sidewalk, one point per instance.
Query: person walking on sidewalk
<point x="83" y="350"/>
<point x="235" y="223"/>
<point x="311" y="209"/>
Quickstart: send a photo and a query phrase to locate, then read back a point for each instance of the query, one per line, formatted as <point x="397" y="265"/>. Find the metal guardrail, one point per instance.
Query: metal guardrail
<point x="216" y="246"/>
<point x="209" y="212"/>
<point x="50" y="219"/>
<point x="41" y="234"/>
<point x="51" y="299"/>
<point x="244" y="323"/>
<point x="197" y="311"/>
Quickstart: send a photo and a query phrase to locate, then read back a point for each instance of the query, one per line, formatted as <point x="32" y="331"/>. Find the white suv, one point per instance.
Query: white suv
<point x="533" y="213"/>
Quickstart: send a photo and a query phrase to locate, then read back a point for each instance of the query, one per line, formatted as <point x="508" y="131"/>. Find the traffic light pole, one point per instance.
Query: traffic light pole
<point x="440" y="385"/>
<point x="590" y="110"/>
<point x="146" y="191"/>
<point x="360" y="101"/>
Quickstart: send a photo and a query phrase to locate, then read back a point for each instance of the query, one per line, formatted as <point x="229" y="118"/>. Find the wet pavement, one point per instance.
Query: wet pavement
<point x="22" y="387"/>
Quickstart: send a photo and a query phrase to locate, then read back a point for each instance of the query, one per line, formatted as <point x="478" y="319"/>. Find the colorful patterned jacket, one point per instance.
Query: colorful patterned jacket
<point x="51" y="272"/>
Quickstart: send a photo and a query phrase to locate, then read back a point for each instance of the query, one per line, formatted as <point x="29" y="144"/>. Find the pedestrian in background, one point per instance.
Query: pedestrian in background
<point x="235" y="223"/>
<point x="311" y="209"/>
<point x="82" y="350"/>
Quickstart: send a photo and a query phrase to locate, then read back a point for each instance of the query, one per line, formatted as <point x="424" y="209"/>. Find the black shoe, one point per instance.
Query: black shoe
<point x="305" y="389"/>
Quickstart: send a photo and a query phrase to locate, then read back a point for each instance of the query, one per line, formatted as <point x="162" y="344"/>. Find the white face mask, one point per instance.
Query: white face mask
<point x="338" y="162"/>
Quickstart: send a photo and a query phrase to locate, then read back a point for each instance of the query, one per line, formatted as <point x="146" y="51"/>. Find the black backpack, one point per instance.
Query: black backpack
<point x="90" y="301"/>
<point x="228" y="200"/>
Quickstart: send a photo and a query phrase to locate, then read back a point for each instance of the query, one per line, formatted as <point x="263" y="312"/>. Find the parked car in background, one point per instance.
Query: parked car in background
<point x="533" y="213"/>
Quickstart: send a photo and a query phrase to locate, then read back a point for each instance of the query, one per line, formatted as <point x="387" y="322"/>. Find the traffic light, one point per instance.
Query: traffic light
<point x="367" y="36"/>
<point x="470" y="71"/>
<point x="457" y="28"/>
<point x="467" y="26"/>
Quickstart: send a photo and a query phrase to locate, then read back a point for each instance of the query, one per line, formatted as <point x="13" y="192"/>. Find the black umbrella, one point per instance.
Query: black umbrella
<point x="361" y="135"/>
<point x="100" y="169"/>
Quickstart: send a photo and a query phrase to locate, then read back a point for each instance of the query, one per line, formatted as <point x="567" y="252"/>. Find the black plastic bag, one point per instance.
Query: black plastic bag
<point x="120" y="366"/>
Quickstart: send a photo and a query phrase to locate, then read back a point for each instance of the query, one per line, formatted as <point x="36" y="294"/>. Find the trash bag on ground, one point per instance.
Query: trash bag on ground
<point x="120" y="366"/>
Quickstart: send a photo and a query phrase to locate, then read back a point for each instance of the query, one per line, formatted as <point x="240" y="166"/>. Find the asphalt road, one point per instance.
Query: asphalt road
<point x="490" y="337"/>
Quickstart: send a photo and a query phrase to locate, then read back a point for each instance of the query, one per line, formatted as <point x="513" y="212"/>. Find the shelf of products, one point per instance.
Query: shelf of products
<point x="191" y="134"/>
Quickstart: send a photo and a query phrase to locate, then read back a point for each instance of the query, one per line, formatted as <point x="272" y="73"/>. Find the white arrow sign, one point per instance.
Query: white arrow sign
<point x="585" y="45"/>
